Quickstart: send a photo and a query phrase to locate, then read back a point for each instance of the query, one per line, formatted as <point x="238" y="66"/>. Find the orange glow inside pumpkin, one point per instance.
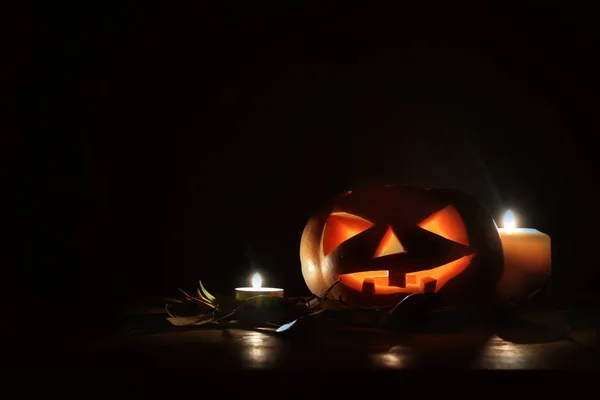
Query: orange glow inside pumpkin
<point x="341" y="227"/>
<point x="415" y="282"/>
<point x="448" y="224"/>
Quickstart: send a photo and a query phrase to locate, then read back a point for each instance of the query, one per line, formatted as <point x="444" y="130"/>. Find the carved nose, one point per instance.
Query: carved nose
<point x="389" y="245"/>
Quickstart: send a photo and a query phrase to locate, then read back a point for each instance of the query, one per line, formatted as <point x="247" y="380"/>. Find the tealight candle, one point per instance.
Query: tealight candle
<point x="243" y="293"/>
<point x="527" y="259"/>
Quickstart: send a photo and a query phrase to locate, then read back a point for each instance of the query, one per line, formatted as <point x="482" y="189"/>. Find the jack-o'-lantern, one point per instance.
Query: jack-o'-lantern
<point x="388" y="241"/>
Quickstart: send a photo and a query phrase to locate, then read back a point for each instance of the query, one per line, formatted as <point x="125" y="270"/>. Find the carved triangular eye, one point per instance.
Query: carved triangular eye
<point x="341" y="227"/>
<point x="389" y="245"/>
<point x="448" y="224"/>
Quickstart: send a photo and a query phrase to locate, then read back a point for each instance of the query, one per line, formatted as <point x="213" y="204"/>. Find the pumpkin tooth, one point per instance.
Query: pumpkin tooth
<point x="368" y="286"/>
<point x="429" y="284"/>
<point x="398" y="279"/>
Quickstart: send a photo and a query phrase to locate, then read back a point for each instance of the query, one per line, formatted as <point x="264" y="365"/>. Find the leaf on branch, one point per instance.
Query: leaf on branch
<point x="313" y="303"/>
<point x="209" y="296"/>
<point x="191" y="298"/>
<point x="185" y="295"/>
<point x="201" y="296"/>
<point x="287" y="326"/>
<point x="189" y="321"/>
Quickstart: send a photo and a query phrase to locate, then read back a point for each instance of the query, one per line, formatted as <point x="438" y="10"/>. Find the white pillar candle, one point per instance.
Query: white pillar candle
<point x="243" y="293"/>
<point x="527" y="259"/>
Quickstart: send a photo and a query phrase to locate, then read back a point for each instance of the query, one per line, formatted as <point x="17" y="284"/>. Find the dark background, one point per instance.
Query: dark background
<point x="158" y="144"/>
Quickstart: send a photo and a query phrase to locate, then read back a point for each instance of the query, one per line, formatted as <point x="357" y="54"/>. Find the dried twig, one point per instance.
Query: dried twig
<point x="326" y="292"/>
<point x="400" y="303"/>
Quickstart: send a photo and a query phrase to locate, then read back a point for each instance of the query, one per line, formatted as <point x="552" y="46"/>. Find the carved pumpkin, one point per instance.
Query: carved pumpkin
<point x="386" y="242"/>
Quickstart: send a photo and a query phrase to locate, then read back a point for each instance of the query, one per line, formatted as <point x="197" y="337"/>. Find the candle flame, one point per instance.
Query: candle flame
<point x="510" y="222"/>
<point x="256" y="281"/>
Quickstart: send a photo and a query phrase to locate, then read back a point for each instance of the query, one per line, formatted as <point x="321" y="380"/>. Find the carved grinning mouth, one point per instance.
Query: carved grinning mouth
<point x="381" y="282"/>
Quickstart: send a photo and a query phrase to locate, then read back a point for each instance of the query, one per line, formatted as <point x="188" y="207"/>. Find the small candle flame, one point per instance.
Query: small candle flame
<point x="510" y="222"/>
<point x="256" y="281"/>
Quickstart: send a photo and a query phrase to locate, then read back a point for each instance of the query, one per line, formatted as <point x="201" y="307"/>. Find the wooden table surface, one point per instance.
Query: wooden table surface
<point x="243" y="349"/>
<point x="185" y="357"/>
<point x="539" y="345"/>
